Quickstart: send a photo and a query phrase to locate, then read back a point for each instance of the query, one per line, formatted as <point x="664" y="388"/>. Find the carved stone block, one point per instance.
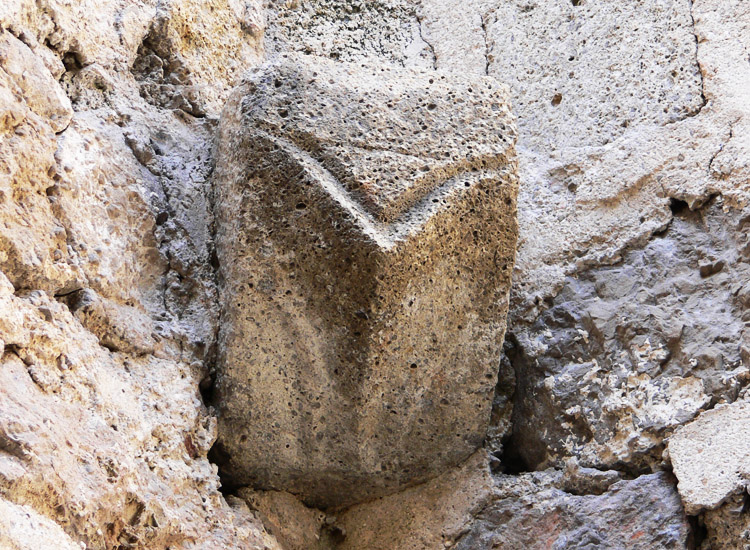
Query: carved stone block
<point x="366" y="232"/>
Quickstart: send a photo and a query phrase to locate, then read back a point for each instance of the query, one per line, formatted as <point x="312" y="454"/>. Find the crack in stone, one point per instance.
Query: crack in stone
<point x="721" y="146"/>
<point x="429" y="44"/>
<point x="483" y="19"/>
<point x="704" y="101"/>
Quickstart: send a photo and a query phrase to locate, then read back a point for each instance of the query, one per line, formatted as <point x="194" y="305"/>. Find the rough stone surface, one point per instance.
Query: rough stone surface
<point x="626" y="353"/>
<point x="468" y="508"/>
<point x="431" y="515"/>
<point x="366" y="236"/>
<point x="388" y="31"/>
<point x="711" y="457"/>
<point x="21" y="528"/>
<point x="107" y="300"/>
<point x="295" y="526"/>
<point x="108" y="113"/>
<point x="641" y="514"/>
<point x="728" y="526"/>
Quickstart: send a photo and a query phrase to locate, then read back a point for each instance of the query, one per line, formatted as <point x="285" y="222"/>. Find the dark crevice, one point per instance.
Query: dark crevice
<point x="678" y="207"/>
<point x="512" y="460"/>
<point x="331" y="536"/>
<point x="73" y="61"/>
<point x="65" y="294"/>
<point x="697" y="532"/>
<point x="219" y="456"/>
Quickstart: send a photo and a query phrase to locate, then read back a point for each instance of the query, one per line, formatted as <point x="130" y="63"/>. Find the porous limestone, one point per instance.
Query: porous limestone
<point x="711" y="457"/>
<point x="366" y="236"/>
<point x="634" y="158"/>
<point x="107" y="305"/>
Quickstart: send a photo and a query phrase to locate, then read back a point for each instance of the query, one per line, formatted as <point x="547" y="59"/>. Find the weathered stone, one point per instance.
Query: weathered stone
<point x="728" y="526"/>
<point x="40" y="90"/>
<point x="431" y="515"/>
<point x="470" y="509"/>
<point x="711" y="456"/>
<point x="118" y="327"/>
<point x="644" y="513"/>
<point x="366" y="236"/>
<point x="294" y="525"/>
<point x="384" y="31"/>
<point x="106" y="448"/>
<point x="110" y="444"/>
<point x="626" y="353"/>
<point x="21" y="528"/>
<point x="566" y="72"/>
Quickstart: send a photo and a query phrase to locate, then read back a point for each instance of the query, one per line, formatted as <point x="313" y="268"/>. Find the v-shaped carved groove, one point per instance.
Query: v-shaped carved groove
<point x="386" y="235"/>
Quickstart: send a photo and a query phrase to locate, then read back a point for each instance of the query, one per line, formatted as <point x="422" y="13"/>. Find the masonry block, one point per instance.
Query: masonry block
<point x="366" y="233"/>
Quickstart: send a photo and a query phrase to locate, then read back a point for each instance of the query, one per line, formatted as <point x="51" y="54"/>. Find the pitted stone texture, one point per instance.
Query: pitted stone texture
<point x="346" y="30"/>
<point x="389" y="141"/>
<point x="360" y="338"/>
<point x="728" y="527"/>
<point x="572" y="84"/>
<point x="711" y="457"/>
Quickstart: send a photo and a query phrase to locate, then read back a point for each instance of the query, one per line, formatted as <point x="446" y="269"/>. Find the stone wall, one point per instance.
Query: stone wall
<point x="621" y="396"/>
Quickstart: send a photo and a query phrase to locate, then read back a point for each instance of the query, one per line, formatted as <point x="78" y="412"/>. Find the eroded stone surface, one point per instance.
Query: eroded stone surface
<point x="102" y="211"/>
<point x="431" y="515"/>
<point x="21" y="528"/>
<point x="366" y="253"/>
<point x="294" y="525"/>
<point x="711" y="456"/>
<point x="644" y="513"/>
<point x="388" y="31"/>
<point x="468" y="508"/>
<point x="728" y="526"/>
<point x="109" y="198"/>
<point x="626" y="353"/>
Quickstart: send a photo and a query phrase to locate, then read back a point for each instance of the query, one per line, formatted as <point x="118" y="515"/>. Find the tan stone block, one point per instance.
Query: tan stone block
<point x="366" y="230"/>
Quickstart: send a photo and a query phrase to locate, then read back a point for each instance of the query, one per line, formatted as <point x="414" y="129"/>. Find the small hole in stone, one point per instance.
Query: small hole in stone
<point x="677" y="206"/>
<point x="301" y="206"/>
<point x="556" y="99"/>
<point x="413" y="366"/>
